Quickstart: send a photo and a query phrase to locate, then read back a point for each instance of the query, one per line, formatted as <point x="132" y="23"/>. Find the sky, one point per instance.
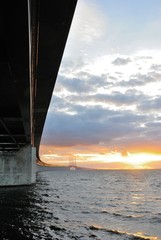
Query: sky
<point x="105" y="111"/>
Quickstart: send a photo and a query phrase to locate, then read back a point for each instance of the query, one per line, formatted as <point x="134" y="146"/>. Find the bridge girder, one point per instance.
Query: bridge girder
<point x="33" y="35"/>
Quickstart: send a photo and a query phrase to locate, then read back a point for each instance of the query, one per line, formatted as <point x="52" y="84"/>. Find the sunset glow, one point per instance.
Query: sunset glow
<point x="110" y="160"/>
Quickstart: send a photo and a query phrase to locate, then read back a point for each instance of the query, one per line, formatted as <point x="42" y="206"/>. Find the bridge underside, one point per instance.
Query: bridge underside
<point x="33" y="35"/>
<point x="31" y="48"/>
<point x="14" y="75"/>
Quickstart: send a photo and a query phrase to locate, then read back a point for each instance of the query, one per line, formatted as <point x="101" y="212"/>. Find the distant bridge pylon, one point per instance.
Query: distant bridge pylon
<point x="72" y="162"/>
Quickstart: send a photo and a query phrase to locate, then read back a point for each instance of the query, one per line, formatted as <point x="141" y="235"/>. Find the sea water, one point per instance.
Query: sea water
<point x="82" y="205"/>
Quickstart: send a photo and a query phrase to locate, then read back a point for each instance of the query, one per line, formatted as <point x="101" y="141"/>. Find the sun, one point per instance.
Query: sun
<point x="138" y="164"/>
<point x="130" y="160"/>
<point x="138" y="160"/>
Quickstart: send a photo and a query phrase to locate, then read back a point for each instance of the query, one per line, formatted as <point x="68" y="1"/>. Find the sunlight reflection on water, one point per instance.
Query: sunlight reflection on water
<point x="66" y="204"/>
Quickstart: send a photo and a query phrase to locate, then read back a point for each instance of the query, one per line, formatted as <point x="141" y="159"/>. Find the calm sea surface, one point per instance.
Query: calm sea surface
<point x="99" y="205"/>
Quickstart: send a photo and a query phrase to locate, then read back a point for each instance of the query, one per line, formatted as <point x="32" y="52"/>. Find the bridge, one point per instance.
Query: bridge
<point x="33" y="35"/>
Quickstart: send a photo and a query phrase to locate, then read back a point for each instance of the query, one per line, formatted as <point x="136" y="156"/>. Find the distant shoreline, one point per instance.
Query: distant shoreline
<point x="41" y="168"/>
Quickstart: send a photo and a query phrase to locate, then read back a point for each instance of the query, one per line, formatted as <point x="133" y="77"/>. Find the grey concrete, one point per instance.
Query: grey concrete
<point x="18" y="168"/>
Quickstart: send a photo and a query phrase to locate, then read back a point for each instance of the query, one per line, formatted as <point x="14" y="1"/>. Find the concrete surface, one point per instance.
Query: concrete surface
<point x="18" y="168"/>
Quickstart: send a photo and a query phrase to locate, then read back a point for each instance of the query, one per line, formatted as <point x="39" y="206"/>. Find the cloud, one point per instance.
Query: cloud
<point x="70" y="66"/>
<point x="76" y="85"/>
<point x="83" y="82"/>
<point x="121" y="61"/>
<point x="115" y="98"/>
<point x="108" y="110"/>
<point x="150" y="105"/>
<point x="92" y="125"/>
<point x="138" y="80"/>
<point x="89" y="28"/>
<point x="156" y="67"/>
<point x="86" y="31"/>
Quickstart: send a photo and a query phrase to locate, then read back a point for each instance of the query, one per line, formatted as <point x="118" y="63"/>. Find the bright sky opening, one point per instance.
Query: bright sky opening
<point x="106" y="105"/>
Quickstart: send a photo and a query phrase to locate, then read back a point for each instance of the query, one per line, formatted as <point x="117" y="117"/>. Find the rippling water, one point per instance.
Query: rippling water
<point x="84" y="205"/>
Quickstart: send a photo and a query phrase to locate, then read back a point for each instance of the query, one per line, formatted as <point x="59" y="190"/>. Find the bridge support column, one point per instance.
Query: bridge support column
<point x="18" y="168"/>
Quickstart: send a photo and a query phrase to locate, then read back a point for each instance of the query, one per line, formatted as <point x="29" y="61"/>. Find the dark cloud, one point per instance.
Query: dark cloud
<point x="95" y="81"/>
<point x="113" y="78"/>
<point x="74" y="101"/>
<point x="68" y="130"/>
<point x="75" y="84"/>
<point x="121" y="61"/>
<point x="150" y="104"/>
<point x="92" y="125"/>
<point x="138" y="80"/>
<point x="83" y="83"/>
<point x="117" y="98"/>
<point x="132" y="83"/>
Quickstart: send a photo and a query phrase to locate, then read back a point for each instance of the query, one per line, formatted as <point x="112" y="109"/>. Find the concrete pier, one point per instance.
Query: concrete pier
<point x="18" y="168"/>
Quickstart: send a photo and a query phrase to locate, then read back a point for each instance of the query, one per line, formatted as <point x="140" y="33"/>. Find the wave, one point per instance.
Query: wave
<point x="130" y="236"/>
<point x="57" y="229"/>
<point x="155" y="220"/>
<point x="122" y="215"/>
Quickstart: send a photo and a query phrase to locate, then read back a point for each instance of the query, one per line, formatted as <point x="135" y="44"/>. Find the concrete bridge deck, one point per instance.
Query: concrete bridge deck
<point x="33" y="35"/>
